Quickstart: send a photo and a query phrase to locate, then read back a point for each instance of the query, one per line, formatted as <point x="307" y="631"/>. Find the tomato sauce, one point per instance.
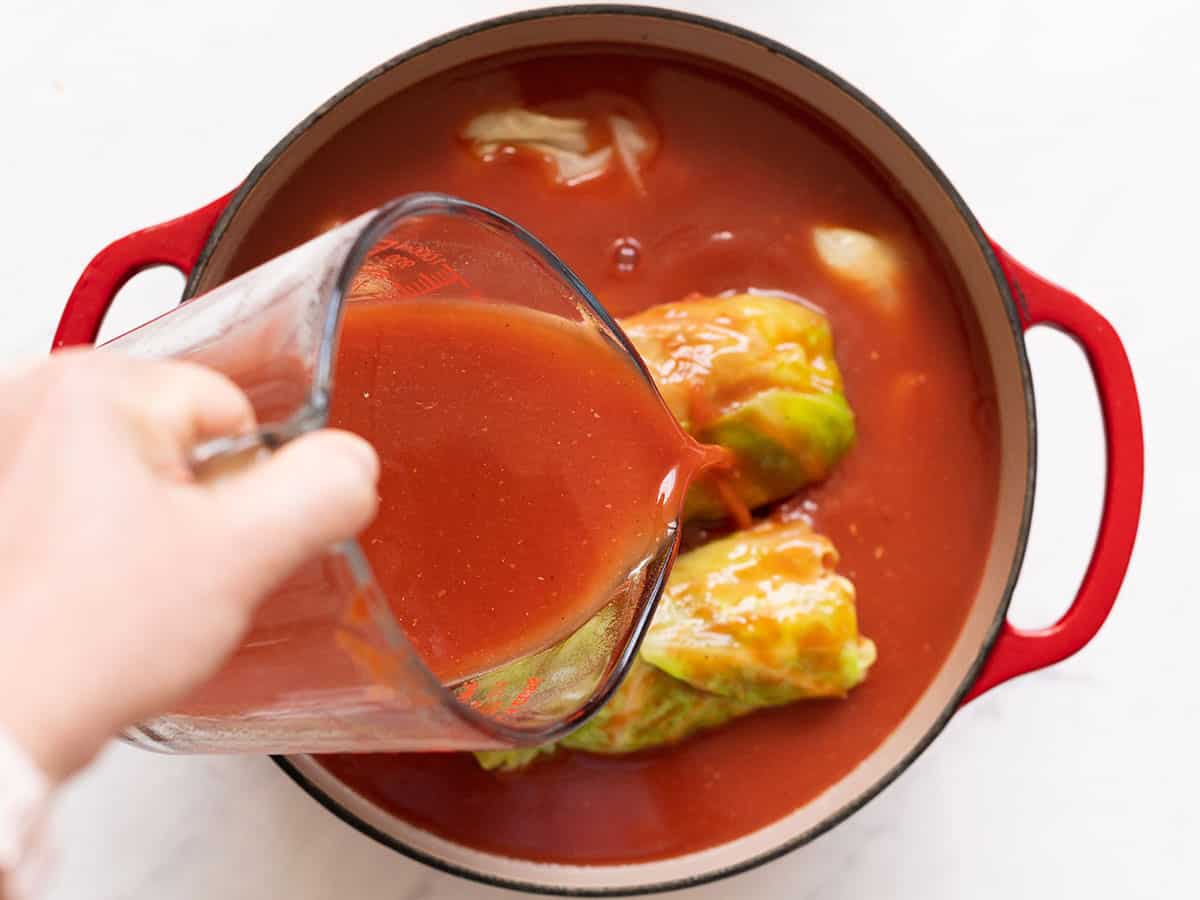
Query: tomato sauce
<point x="526" y="467"/>
<point x="740" y="177"/>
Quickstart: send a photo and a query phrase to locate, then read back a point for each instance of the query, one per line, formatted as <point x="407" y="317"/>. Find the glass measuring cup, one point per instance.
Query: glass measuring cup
<point x="325" y="667"/>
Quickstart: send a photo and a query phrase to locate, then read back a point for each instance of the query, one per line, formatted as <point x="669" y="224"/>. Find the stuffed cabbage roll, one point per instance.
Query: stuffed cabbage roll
<point x="761" y="617"/>
<point x="756" y="619"/>
<point x="754" y="373"/>
<point x="649" y="709"/>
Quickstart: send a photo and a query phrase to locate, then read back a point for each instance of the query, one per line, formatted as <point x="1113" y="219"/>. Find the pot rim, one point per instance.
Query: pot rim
<point x="1014" y="303"/>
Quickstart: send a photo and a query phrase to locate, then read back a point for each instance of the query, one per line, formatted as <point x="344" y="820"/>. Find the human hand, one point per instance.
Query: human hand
<point x="125" y="582"/>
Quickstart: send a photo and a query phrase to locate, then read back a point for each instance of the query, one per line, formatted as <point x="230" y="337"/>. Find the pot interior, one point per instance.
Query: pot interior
<point x="963" y="250"/>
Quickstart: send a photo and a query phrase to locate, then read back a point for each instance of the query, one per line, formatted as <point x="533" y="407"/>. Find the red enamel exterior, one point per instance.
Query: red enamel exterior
<point x="175" y="243"/>
<point x="1017" y="650"/>
<point x="179" y="242"/>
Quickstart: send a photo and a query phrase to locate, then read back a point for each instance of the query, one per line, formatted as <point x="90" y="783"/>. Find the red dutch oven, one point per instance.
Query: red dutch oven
<point x="1007" y="298"/>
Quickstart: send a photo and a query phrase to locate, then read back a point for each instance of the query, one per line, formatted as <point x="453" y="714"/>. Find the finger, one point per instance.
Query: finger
<point x="177" y="405"/>
<point x="313" y="492"/>
<point x="189" y="402"/>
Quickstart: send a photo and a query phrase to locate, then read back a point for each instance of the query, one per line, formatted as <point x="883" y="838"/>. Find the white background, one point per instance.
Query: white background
<point x="1070" y="129"/>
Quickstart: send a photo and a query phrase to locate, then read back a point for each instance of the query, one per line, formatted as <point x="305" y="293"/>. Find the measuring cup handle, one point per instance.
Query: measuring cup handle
<point x="175" y="243"/>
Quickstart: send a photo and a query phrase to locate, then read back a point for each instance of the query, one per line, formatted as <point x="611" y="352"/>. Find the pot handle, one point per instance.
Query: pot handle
<point x="175" y="243"/>
<point x="1018" y="650"/>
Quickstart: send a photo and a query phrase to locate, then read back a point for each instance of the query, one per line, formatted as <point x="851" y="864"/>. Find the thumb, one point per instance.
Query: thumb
<point x="313" y="492"/>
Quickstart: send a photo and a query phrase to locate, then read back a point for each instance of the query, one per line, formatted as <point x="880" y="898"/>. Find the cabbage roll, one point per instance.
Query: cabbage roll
<point x="511" y="760"/>
<point x="756" y="619"/>
<point x="756" y="374"/>
<point x="761" y="617"/>
<point x="649" y="709"/>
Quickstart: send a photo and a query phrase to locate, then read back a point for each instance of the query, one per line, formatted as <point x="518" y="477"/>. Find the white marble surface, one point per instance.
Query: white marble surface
<point x="1070" y="128"/>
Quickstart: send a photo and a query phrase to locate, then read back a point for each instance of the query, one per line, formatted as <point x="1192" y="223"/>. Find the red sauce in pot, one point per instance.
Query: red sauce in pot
<point x="740" y="178"/>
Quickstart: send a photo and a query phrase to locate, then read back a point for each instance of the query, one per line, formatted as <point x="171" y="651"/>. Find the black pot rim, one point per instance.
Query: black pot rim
<point x="1012" y="304"/>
